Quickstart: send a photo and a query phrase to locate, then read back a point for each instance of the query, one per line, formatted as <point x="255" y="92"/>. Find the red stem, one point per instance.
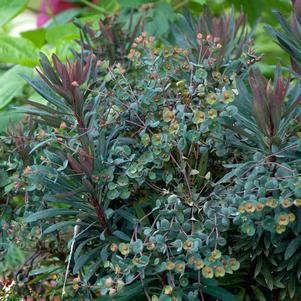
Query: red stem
<point x="100" y="214"/>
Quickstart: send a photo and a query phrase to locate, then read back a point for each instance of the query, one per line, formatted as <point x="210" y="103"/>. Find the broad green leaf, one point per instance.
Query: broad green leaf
<point x="11" y="84"/>
<point x="18" y="51"/>
<point x="162" y="15"/>
<point x="10" y="9"/>
<point x="66" y="32"/>
<point x="64" y="17"/>
<point x="36" y="36"/>
<point x="63" y="47"/>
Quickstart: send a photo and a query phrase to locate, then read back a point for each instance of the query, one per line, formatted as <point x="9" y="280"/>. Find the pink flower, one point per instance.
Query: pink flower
<point x="53" y="7"/>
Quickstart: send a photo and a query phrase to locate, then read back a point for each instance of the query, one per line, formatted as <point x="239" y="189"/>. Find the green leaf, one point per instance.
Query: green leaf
<point x="18" y="51"/>
<point x="141" y="214"/>
<point x="130" y="3"/>
<point x="66" y="32"/>
<point x="11" y="84"/>
<point x="45" y="91"/>
<point x="36" y="36"/>
<point x="4" y="179"/>
<point x="49" y="213"/>
<point x="258" y="293"/>
<point x="218" y="292"/>
<point x="43" y="270"/>
<point x="81" y="261"/>
<point x="61" y="225"/>
<point x="127" y="216"/>
<point x="10" y="9"/>
<point x="291" y="285"/>
<point x="38" y="98"/>
<point x="121" y="235"/>
<point x="239" y="171"/>
<point x="292" y="248"/>
<point x="14" y="257"/>
<point x="64" y="17"/>
<point x="113" y="194"/>
<point x="258" y="266"/>
<point x="200" y="1"/>
<point x="92" y="270"/>
<point x="8" y="117"/>
<point x="268" y="277"/>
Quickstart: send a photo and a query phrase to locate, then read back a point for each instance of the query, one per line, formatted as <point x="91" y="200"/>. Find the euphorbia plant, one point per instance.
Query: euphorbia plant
<point x="130" y="162"/>
<point x="166" y="170"/>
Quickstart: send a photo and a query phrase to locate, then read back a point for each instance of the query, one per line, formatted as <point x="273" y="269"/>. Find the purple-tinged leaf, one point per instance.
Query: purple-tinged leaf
<point x="75" y="166"/>
<point x="48" y="70"/>
<point x="297" y="9"/>
<point x="260" y="105"/>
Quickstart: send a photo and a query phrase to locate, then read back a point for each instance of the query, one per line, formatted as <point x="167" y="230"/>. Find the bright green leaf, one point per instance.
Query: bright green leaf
<point x="11" y="84"/>
<point x="66" y="32"/>
<point x="36" y="36"/>
<point x="9" y="117"/>
<point x="10" y="9"/>
<point x="18" y="51"/>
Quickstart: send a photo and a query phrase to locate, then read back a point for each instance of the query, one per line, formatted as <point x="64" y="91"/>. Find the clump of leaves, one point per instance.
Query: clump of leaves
<point x="228" y="32"/>
<point x="28" y="267"/>
<point x="264" y="186"/>
<point x="289" y="37"/>
<point x="110" y="40"/>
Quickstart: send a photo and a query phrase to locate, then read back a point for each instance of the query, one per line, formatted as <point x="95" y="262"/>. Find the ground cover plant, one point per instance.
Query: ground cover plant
<point x="157" y="168"/>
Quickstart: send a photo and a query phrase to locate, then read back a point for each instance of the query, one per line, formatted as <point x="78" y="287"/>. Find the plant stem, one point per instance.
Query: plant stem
<point x="100" y="214"/>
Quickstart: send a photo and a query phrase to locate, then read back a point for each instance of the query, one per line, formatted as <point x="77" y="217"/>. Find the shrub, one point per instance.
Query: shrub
<point x="171" y="172"/>
<point x="131" y="161"/>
